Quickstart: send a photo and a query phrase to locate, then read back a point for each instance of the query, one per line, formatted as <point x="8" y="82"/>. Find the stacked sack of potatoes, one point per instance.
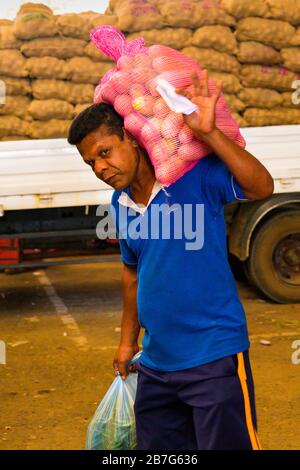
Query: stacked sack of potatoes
<point x="268" y="36"/>
<point x="15" y="89"/>
<point x="48" y="71"/>
<point x="50" y="68"/>
<point x="253" y="46"/>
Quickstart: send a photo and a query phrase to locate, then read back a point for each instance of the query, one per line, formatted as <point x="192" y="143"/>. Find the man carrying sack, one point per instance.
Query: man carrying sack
<point x="195" y="388"/>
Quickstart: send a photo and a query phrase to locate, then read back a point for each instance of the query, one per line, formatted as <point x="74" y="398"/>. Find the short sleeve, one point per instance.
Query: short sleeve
<point x="218" y="184"/>
<point x="127" y="255"/>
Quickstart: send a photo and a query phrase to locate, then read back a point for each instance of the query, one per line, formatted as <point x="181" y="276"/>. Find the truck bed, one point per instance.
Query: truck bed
<point x="278" y="148"/>
<point x="38" y="174"/>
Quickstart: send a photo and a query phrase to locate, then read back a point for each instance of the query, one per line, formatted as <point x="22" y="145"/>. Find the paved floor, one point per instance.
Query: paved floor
<point x="61" y="329"/>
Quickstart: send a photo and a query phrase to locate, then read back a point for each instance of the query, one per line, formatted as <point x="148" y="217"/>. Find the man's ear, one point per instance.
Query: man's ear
<point x="130" y="137"/>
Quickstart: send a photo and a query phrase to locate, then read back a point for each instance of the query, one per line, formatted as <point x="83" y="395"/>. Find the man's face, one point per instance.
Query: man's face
<point x="113" y="161"/>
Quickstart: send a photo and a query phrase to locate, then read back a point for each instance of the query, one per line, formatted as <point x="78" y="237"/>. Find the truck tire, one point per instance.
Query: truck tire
<point x="274" y="262"/>
<point x="246" y="272"/>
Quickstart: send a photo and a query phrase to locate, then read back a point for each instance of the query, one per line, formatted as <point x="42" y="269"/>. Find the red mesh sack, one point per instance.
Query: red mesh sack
<point x="131" y="87"/>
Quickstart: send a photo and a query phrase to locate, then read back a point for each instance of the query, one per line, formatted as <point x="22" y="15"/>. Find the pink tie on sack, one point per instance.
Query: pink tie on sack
<point x="131" y="88"/>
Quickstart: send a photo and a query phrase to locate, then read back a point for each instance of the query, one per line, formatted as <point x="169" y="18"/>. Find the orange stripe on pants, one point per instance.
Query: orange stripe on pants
<point x="243" y="380"/>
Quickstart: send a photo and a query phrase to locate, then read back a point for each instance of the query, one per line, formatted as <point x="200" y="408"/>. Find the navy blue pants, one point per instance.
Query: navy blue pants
<point x="209" y="407"/>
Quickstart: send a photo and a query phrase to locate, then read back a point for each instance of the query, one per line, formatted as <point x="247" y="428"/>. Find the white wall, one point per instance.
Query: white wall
<point x="9" y="8"/>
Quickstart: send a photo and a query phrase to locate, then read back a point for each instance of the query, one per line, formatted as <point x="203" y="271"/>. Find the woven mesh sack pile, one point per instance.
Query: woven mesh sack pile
<point x="253" y="46"/>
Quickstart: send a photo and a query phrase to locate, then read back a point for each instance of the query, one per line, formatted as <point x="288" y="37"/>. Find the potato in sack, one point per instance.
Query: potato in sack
<point x="142" y="89"/>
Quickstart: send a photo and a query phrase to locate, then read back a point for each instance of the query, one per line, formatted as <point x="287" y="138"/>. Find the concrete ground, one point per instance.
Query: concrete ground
<point x="61" y="326"/>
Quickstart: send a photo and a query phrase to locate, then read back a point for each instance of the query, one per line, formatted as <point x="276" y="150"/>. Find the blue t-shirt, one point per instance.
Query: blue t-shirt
<point x="187" y="298"/>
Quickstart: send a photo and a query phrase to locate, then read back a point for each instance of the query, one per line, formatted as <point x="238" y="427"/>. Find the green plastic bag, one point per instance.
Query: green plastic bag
<point x="113" y="424"/>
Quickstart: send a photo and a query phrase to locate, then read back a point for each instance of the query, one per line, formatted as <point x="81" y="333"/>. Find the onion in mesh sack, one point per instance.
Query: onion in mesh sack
<point x="131" y="88"/>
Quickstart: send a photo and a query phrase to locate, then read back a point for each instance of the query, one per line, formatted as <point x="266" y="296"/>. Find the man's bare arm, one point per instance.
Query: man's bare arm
<point x="130" y="327"/>
<point x="253" y="177"/>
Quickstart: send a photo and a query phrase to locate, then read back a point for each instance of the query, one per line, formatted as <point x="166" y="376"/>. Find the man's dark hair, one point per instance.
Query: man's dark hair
<point x="91" y="118"/>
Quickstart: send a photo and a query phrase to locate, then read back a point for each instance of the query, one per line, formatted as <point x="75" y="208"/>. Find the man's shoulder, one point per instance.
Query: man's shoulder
<point x="208" y="161"/>
<point x="210" y="164"/>
<point x="203" y="165"/>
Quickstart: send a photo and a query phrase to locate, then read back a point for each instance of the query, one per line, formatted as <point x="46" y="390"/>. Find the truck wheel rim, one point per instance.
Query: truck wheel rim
<point x="287" y="259"/>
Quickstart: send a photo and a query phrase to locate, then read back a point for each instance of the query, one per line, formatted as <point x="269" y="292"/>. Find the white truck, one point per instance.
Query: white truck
<point x="48" y="196"/>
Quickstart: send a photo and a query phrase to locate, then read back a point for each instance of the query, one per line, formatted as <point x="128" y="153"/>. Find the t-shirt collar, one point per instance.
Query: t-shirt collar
<point x="126" y="200"/>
